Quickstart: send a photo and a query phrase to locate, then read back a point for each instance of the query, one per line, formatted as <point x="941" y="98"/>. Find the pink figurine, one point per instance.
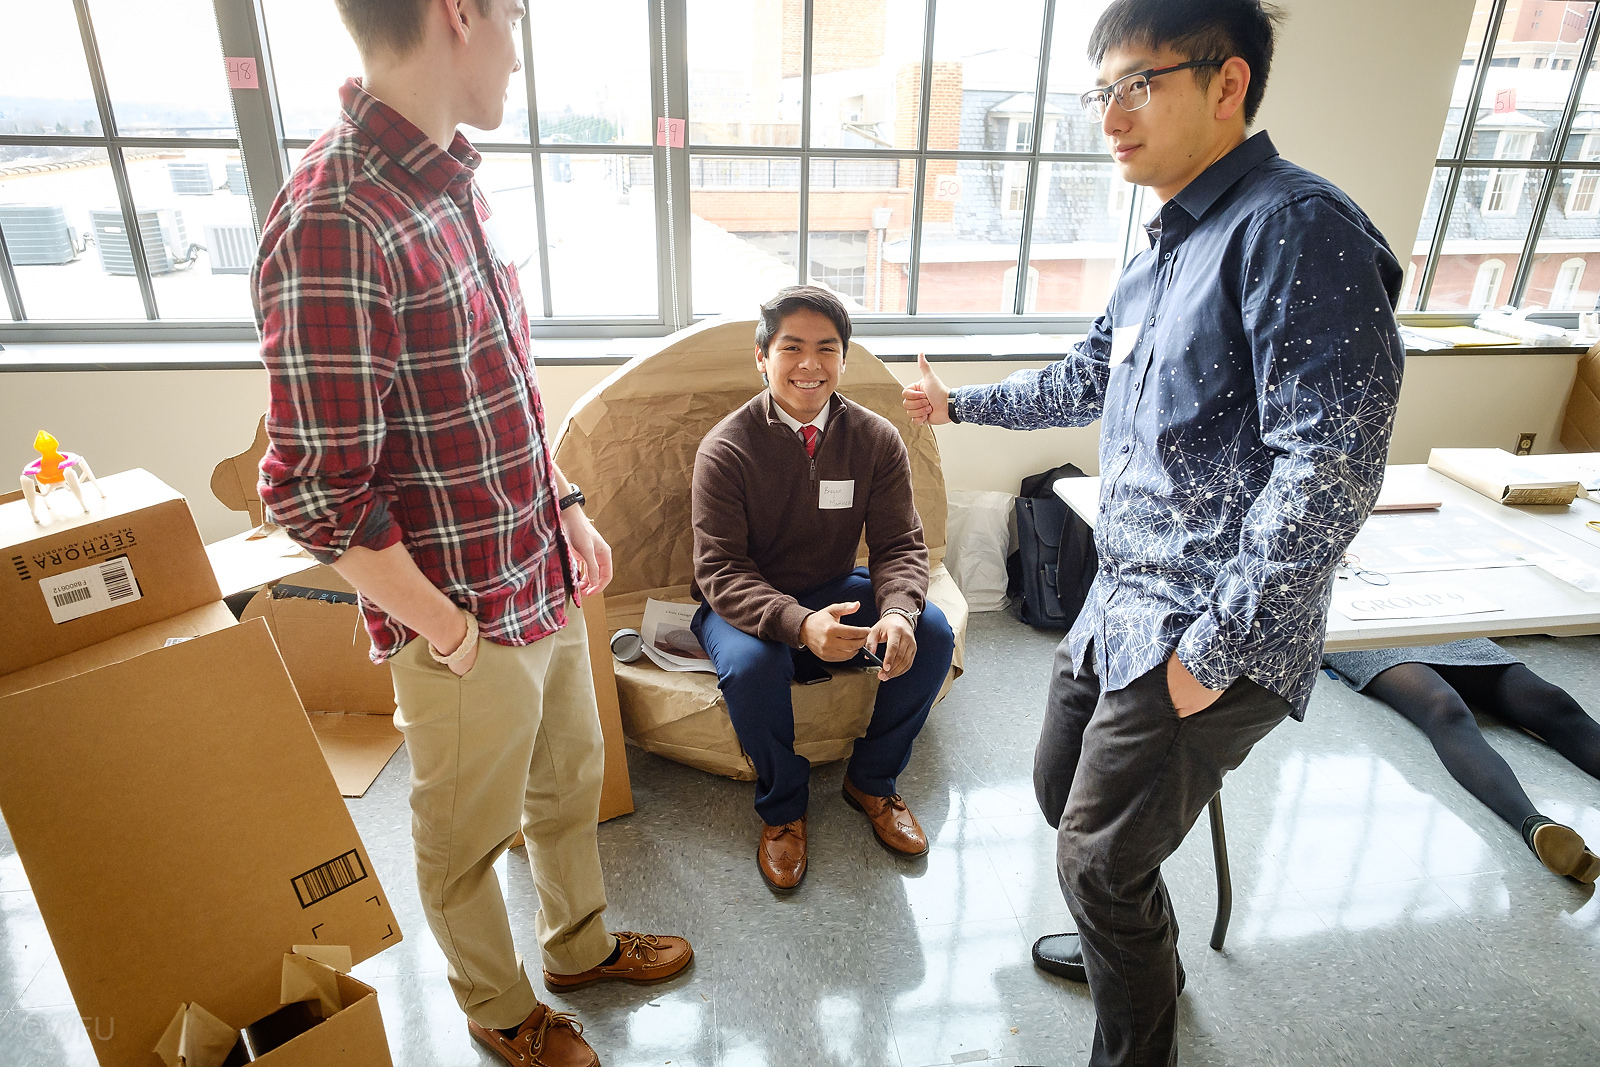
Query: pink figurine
<point x="55" y="467"/>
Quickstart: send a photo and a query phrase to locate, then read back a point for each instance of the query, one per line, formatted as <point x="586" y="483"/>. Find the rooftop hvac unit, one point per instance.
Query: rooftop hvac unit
<point x="191" y="179"/>
<point x="166" y="242"/>
<point x="37" y="234"/>
<point x="236" y="184"/>
<point x="232" y="248"/>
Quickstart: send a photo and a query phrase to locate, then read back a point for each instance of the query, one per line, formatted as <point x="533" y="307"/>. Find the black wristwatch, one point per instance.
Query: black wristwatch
<point x="574" y="497"/>
<point x="950" y="410"/>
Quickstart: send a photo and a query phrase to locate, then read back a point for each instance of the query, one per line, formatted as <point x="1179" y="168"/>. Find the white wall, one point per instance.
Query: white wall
<point x="1358" y="93"/>
<point x="179" y="424"/>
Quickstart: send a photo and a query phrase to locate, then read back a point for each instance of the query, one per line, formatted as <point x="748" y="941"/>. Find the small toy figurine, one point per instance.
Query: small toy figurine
<point x="53" y="468"/>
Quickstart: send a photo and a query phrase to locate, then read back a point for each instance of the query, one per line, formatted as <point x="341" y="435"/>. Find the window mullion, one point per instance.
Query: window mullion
<point x="1019" y="303"/>
<point x="8" y="282"/>
<point x="119" y="170"/>
<point x="255" y="112"/>
<point x="541" y="239"/>
<point x="670" y="94"/>
<point x="803" y="238"/>
<point x="914" y="261"/>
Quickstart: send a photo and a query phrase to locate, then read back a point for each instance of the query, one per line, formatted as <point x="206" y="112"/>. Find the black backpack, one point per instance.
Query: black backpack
<point x="1055" y="562"/>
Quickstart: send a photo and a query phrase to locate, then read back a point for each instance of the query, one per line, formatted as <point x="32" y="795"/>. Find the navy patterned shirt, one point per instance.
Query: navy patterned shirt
<point x="1246" y="370"/>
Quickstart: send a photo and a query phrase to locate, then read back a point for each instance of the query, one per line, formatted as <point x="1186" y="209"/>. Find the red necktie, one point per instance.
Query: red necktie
<point x="809" y="434"/>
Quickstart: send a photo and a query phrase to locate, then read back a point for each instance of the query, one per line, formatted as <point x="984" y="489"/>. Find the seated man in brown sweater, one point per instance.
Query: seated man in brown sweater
<point x="782" y="490"/>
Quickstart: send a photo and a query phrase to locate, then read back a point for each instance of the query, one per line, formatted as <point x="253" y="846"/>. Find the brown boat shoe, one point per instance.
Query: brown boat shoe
<point x="897" y="829"/>
<point x="545" y="1039"/>
<point x="644" y="958"/>
<point x="781" y="855"/>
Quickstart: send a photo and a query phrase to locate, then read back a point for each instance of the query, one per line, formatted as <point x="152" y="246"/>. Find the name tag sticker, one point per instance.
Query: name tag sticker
<point x="1123" y="338"/>
<point x="836" y="496"/>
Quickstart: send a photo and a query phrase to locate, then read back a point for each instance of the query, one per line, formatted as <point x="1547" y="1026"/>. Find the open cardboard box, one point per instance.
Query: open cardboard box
<point x="339" y="687"/>
<point x="348" y="698"/>
<point x="177" y="823"/>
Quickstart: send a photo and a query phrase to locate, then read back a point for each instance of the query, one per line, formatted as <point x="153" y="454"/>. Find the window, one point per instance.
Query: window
<point x="1515" y="145"/>
<point x="123" y="195"/>
<point x="1505" y="186"/>
<point x="1568" y="281"/>
<point x="1584" y="185"/>
<point x="1487" y="284"/>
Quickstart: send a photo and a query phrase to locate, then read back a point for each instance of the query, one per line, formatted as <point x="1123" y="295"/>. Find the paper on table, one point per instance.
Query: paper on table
<point x="1417" y="601"/>
<point x="1569" y="570"/>
<point x="668" y="641"/>
<point x="1450" y="540"/>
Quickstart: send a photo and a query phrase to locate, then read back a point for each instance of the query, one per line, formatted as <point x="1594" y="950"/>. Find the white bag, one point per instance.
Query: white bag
<point x="979" y="532"/>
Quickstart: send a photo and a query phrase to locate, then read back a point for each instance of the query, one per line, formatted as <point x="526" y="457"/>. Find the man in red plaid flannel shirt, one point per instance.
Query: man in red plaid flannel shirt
<point x="408" y="449"/>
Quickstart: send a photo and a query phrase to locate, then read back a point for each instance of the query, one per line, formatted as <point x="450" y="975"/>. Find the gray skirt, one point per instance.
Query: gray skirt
<point x="1358" y="669"/>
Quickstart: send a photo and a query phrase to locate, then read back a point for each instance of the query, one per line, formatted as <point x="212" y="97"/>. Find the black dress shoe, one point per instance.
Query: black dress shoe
<point x="1062" y="955"/>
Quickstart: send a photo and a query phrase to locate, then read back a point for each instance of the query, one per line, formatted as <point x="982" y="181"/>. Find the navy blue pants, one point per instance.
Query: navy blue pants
<point x="755" y="675"/>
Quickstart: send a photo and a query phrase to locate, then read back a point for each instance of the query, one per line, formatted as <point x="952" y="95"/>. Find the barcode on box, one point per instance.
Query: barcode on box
<point x="320" y="883"/>
<point x="76" y="593"/>
<point x="72" y="596"/>
<point x="118" y="579"/>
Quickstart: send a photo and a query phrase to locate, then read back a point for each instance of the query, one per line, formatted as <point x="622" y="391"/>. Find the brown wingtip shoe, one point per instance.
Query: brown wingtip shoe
<point x="545" y="1039"/>
<point x="644" y="958"/>
<point x="896" y="828"/>
<point x="781" y="856"/>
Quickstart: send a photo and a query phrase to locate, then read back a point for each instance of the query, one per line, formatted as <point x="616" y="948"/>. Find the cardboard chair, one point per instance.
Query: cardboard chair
<point x="630" y="443"/>
<point x="1580" y="427"/>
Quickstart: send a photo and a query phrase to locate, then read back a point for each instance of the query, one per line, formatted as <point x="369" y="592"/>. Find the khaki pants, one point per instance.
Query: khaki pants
<point x="515" y="741"/>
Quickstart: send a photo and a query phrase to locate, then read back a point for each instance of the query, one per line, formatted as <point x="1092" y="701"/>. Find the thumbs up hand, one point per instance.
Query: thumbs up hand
<point x="927" y="400"/>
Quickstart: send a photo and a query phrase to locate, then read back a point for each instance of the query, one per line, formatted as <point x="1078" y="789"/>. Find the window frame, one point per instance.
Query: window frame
<point x="1546" y="172"/>
<point x="264" y="151"/>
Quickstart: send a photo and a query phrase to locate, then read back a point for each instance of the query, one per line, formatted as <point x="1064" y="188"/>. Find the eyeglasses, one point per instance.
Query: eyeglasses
<point x="1133" y="91"/>
<point x="1352" y="563"/>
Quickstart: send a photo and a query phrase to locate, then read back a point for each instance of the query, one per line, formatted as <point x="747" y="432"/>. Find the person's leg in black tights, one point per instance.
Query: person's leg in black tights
<point x="1520" y="697"/>
<point x="1421" y="694"/>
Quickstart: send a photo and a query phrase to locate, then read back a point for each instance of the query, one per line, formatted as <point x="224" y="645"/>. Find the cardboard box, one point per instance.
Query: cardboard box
<point x="328" y="1017"/>
<point x="134" y="560"/>
<point x="348" y="698"/>
<point x="182" y="832"/>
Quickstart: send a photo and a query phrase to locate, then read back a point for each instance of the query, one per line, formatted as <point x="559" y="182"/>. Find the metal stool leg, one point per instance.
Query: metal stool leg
<point x="1219" y="849"/>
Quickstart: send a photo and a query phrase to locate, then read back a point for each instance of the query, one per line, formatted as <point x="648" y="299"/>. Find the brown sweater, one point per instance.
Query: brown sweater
<point x="761" y="536"/>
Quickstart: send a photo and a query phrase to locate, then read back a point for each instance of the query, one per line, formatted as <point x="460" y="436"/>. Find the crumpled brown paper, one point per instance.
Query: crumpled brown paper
<point x="196" y="1038"/>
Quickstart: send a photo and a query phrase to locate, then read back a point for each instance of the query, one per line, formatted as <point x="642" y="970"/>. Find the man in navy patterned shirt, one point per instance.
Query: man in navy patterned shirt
<point x="1246" y="372"/>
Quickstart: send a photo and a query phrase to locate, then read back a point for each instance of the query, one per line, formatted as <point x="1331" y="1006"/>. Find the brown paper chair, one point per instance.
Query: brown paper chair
<point x="1580" y="426"/>
<point x="630" y="443"/>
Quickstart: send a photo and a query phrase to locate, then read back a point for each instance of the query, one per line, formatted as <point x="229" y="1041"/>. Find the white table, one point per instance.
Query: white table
<point x="1533" y="601"/>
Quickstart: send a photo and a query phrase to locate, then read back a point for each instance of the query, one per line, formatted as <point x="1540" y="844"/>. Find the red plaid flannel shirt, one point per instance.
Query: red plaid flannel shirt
<point x="403" y="399"/>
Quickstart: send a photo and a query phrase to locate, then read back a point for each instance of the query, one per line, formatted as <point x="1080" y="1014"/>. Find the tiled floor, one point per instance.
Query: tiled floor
<point x="1381" y="914"/>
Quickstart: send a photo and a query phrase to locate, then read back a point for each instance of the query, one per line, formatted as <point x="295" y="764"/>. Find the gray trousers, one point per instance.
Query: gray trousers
<point x="1122" y="779"/>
